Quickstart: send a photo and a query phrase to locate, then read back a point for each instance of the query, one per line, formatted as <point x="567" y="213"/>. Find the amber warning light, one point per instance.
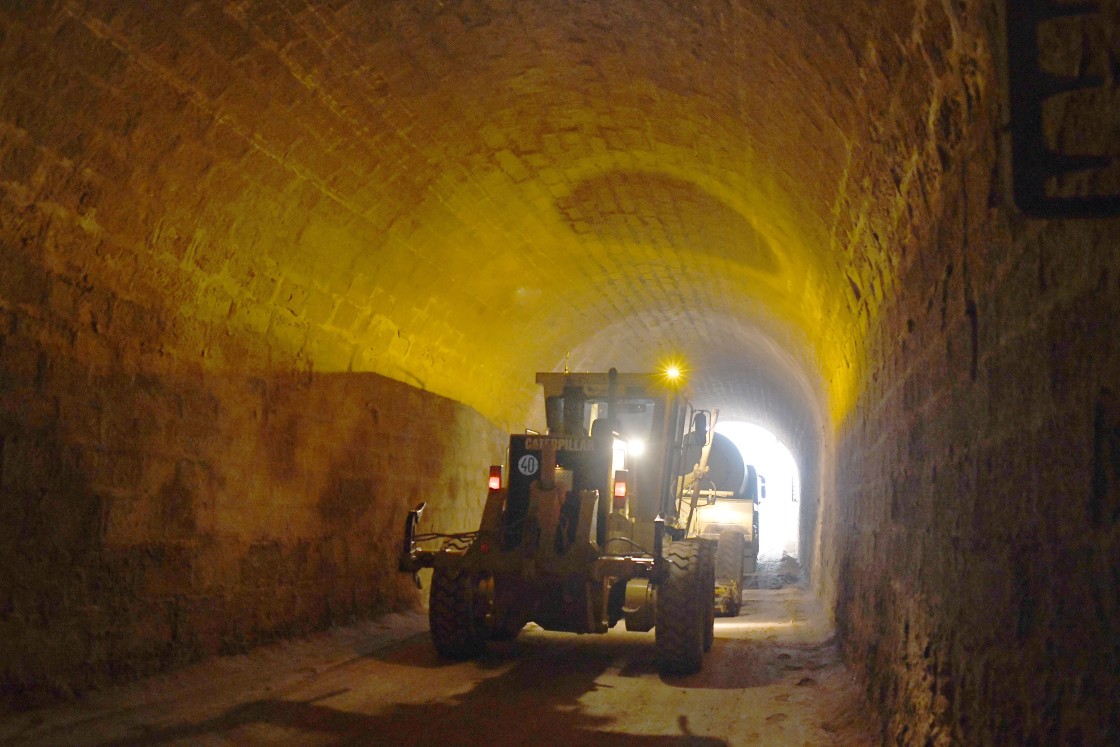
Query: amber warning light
<point x="495" y="482"/>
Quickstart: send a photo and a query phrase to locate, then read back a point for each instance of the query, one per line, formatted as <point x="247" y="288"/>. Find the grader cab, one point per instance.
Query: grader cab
<point x="587" y="526"/>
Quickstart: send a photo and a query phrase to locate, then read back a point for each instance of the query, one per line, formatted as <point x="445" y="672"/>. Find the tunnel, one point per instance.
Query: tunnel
<point x="272" y="272"/>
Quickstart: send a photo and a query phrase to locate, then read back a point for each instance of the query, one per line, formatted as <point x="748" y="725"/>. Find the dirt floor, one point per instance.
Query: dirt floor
<point x="772" y="678"/>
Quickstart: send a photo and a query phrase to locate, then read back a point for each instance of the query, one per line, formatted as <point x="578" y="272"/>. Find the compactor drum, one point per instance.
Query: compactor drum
<point x="722" y="492"/>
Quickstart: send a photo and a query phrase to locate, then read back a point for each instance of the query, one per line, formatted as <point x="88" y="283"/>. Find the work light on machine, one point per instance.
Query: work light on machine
<point x="673" y="372"/>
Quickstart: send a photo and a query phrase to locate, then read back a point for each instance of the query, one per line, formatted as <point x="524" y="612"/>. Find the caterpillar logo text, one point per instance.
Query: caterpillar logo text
<point x="562" y="444"/>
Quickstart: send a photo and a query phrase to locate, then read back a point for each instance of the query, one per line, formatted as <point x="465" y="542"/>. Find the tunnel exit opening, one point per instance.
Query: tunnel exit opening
<point x="779" y="510"/>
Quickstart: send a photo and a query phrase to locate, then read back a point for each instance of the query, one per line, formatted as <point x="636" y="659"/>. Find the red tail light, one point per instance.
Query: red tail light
<point x="620" y="489"/>
<point x="495" y="482"/>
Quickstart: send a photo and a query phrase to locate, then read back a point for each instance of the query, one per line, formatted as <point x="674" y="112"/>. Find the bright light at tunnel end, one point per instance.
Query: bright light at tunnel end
<point x="779" y="514"/>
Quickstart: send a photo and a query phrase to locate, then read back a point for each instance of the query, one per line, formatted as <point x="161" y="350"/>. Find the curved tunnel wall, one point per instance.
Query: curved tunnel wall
<point x="272" y="271"/>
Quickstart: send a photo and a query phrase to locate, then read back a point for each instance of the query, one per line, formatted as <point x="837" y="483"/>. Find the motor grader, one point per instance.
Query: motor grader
<point x="586" y="526"/>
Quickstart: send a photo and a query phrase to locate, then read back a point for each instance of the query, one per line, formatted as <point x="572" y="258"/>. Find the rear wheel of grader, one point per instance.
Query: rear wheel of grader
<point x="457" y="623"/>
<point x="684" y="608"/>
<point x="457" y="610"/>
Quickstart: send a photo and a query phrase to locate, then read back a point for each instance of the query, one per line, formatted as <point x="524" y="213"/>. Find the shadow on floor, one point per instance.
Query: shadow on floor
<point x="534" y="702"/>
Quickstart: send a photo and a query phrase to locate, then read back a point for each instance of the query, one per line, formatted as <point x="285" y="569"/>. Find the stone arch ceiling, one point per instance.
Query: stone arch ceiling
<point x="458" y="194"/>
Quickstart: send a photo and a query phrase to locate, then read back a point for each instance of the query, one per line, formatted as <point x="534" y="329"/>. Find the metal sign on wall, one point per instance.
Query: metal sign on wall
<point x="1062" y="76"/>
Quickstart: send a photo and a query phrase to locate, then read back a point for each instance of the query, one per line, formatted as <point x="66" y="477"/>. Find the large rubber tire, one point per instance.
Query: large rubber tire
<point x="458" y="627"/>
<point x="682" y="610"/>
<point x="456" y="611"/>
<point x="729" y="564"/>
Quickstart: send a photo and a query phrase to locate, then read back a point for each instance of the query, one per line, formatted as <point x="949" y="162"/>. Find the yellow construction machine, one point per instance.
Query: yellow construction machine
<point x="586" y="525"/>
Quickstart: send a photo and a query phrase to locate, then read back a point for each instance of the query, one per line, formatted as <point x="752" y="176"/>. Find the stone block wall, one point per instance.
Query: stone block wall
<point x="981" y="508"/>
<point x="976" y="527"/>
<point x="188" y="463"/>
<point x="155" y="514"/>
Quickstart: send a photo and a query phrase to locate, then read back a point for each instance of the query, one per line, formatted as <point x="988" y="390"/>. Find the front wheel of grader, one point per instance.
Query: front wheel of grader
<point x="683" y="630"/>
